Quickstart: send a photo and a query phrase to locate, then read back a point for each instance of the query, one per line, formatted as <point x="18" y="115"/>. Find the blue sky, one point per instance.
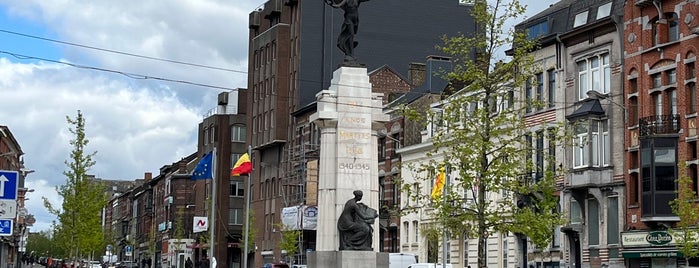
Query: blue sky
<point x="136" y="126"/>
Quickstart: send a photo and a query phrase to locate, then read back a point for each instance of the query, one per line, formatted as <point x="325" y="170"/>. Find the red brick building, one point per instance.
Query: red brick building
<point x="660" y="46"/>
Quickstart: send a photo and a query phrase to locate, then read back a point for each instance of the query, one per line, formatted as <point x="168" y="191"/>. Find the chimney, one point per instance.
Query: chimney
<point x="147" y="176"/>
<point x="416" y="73"/>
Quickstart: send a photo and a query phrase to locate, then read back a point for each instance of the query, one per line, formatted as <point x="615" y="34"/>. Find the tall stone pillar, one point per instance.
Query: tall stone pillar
<point x="349" y="115"/>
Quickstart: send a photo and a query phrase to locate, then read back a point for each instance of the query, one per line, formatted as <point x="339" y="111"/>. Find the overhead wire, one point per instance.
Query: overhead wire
<point x="150" y="77"/>
<point x="120" y="52"/>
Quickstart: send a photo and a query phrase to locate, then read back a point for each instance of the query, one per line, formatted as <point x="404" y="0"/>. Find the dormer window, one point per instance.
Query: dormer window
<point x="603" y="11"/>
<point x="580" y="19"/>
<point x="538" y="30"/>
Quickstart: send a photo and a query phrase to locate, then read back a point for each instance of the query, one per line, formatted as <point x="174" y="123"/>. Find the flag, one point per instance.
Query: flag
<point x="438" y="184"/>
<point x="203" y="169"/>
<point x="243" y="166"/>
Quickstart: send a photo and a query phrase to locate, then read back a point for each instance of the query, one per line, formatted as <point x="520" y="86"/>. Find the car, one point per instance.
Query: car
<point x="428" y="265"/>
<point x="275" y="265"/>
<point x="401" y="260"/>
<point x="299" y="266"/>
<point x="94" y="264"/>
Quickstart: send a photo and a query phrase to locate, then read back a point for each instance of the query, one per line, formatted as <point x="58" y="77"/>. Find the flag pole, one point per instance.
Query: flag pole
<point x="444" y="199"/>
<point x="247" y="213"/>
<point x="213" y="208"/>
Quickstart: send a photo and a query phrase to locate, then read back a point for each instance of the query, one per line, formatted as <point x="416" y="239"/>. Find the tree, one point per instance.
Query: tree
<point x="40" y="243"/>
<point x="482" y="139"/>
<point x="79" y="230"/>
<point x="686" y="207"/>
<point x="289" y="241"/>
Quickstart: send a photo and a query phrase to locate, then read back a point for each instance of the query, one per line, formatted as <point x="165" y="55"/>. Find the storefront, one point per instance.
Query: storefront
<point x="651" y="249"/>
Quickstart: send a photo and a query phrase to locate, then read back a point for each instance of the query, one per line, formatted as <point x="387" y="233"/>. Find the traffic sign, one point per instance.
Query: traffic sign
<point x="5" y="227"/>
<point x="8" y="184"/>
<point x="8" y="209"/>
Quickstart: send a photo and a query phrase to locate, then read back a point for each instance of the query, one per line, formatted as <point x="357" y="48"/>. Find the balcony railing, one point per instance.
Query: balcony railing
<point x="659" y="124"/>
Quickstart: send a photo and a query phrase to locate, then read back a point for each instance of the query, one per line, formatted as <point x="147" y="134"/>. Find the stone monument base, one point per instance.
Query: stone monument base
<point x="347" y="259"/>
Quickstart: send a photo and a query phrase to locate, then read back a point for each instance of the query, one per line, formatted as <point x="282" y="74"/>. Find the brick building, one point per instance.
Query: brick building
<point x="660" y="46"/>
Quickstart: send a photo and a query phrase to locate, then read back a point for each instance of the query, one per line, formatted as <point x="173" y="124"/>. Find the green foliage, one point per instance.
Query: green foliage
<point x="79" y="231"/>
<point x="484" y="141"/>
<point x="40" y="243"/>
<point x="289" y="241"/>
<point x="687" y="208"/>
<point x="252" y="232"/>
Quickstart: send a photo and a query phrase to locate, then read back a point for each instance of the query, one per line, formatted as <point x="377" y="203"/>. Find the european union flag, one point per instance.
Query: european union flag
<point x="203" y="169"/>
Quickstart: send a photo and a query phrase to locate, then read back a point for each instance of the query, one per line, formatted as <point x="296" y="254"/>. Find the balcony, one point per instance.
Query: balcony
<point x="659" y="124"/>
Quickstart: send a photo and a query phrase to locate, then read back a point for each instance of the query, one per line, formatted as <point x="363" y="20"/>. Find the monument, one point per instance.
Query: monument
<point x="349" y="116"/>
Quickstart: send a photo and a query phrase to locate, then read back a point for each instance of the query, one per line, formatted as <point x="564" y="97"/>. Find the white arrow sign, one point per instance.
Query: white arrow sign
<point x="8" y="209"/>
<point x="3" y="180"/>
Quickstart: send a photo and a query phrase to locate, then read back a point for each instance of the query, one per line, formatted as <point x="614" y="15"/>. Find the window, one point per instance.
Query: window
<point x="671" y="76"/>
<point x="613" y="220"/>
<point x="539" y="90"/>
<point x="552" y="149"/>
<point x="406" y="230"/>
<point x="206" y="136"/>
<point x="552" y="87"/>
<point x="529" y="148"/>
<point x="593" y="221"/>
<point x="659" y="174"/>
<point x="657" y="80"/>
<point x="580" y="19"/>
<point x="673" y="29"/>
<point x="658" y="100"/>
<point x="690" y="70"/>
<point x="672" y="95"/>
<point x="415" y="230"/>
<point x="237" y="188"/>
<point x="396" y="142"/>
<point x="591" y="144"/>
<point x="594" y="74"/>
<point x="382" y="148"/>
<point x="235" y="216"/>
<point x="575" y="212"/>
<point x="604" y="10"/>
<point x="581" y="148"/>
<point x="539" y="155"/>
<point x="465" y="250"/>
<point x="537" y="30"/>
<point x="238" y="133"/>
<point x="212" y="132"/>
<point x="503" y="238"/>
<point x="528" y="94"/>
<point x="633" y="85"/>
<point x="692" y="98"/>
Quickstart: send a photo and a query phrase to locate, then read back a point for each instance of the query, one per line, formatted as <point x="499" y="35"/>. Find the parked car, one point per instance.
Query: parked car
<point x="401" y="260"/>
<point x="275" y="265"/>
<point x="299" y="266"/>
<point x="428" y="265"/>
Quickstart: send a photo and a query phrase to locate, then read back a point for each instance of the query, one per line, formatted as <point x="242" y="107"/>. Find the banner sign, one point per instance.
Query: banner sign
<point x="200" y="224"/>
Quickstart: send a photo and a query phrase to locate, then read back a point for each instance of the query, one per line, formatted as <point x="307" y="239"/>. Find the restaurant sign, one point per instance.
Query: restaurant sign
<point x="654" y="238"/>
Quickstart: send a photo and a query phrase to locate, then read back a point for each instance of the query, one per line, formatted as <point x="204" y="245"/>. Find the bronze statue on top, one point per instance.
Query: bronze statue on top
<point x="354" y="224"/>
<point x="345" y="41"/>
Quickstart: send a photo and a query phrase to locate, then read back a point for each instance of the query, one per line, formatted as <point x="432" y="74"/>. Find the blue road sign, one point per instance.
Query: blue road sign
<point x="5" y="227"/>
<point x="8" y="184"/>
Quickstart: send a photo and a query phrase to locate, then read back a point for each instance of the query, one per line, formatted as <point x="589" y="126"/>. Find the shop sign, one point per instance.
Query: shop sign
<point x="648" y="239"/>
<point x="659" y="238"/>
<point x="636" y="255"/>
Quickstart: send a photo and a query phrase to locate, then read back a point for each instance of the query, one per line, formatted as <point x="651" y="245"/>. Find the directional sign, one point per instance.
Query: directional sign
<point x="8" y="185"/>
<point x="8" y="209"/>
<point x="5" y="227"/>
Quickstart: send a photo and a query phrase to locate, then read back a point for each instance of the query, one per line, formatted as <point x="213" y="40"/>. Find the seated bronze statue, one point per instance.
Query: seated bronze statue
<point x="355" y="223"/>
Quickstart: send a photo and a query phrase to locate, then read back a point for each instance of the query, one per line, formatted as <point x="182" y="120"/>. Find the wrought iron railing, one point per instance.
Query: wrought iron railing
<point x="659" y="124"/>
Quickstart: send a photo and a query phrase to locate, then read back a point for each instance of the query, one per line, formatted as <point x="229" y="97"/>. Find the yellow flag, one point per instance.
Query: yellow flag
<point x="438" y="184"/>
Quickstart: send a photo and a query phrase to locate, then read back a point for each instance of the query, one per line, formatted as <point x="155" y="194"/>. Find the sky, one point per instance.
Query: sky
<point x="50" y="53"/>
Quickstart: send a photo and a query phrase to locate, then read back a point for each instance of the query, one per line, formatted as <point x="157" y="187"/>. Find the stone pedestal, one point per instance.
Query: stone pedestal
<point x="348" y="259"/>
<point x="349" y="116"/>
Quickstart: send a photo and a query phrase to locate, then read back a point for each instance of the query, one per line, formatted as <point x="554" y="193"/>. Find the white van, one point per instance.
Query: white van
<point x="429" y="265"/>
<point x="401" y="260"/>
